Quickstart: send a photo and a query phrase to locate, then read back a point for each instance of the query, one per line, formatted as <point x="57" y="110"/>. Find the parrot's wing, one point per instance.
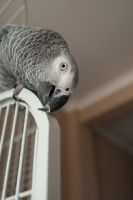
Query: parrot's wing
<point x="3" y="31"/>
<point x="7" y="80"/>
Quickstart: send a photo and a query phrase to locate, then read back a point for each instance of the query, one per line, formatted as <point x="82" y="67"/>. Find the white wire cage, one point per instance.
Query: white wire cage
<point x="44" y="168"/>
<point x="29" y="139"/>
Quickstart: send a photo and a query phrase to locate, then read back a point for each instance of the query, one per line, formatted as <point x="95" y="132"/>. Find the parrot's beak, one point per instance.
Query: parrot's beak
<point x="51" y="97"/>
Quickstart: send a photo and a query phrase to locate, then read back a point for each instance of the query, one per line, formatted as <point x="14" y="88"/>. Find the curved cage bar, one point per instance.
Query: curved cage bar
<point x="22" y="9"/>
<point x="19" y="122"/>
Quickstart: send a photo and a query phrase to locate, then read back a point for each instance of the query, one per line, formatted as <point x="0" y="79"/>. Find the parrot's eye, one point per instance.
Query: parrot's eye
<point x="67" y="89"/>
<point x="63" y="66"/>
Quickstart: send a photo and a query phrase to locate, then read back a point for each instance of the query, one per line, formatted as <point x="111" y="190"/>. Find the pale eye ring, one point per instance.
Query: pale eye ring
<point x="63" y="66"/>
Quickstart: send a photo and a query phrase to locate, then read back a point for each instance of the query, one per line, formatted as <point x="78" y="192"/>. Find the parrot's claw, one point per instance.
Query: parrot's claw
<point x="16" y="91"/>
<point x="46" y="109"/>
<point x="18" y="88"/>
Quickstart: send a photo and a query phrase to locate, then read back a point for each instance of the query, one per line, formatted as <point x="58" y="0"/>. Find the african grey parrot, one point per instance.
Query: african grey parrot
<point x="38" y="59"/>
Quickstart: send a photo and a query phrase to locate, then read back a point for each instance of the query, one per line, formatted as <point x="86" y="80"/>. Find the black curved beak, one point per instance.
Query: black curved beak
<point x="51" y="97"/>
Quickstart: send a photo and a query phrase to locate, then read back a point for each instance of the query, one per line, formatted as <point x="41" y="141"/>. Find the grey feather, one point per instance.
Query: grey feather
<point x="26" y="53"/>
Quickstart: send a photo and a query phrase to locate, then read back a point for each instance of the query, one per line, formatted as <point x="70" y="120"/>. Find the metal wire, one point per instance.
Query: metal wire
<point x="34" y="160"/>
<point x="25" y="17"/>
<point x="21" y="154"/>
<point x="21" y="195"/>
<point x="23" y="9"/>
<point x="4" y="128"/>
<point x="10" y="153"/>
<point x="0" y="111"/>
<point x="5" y="7"/>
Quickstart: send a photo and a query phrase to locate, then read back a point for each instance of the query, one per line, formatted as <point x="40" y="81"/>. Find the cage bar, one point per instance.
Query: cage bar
<point x="25" y="16"/>
<point x="0" y="111"/>
<point x="16" y="14"/>
<point x="5" y="7"/>
<point x="4" y="128"/>
<point x="21" y="195"/>
<point x="10" y="153"/>
<point x="21" y="154"/>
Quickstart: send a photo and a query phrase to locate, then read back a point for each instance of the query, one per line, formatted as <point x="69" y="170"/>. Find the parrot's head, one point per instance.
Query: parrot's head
<point x="61" y="81"/>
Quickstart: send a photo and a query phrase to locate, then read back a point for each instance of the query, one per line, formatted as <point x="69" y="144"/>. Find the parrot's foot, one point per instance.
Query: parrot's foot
<point x="17" y="90"/>
<point x="46" y="109"/>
